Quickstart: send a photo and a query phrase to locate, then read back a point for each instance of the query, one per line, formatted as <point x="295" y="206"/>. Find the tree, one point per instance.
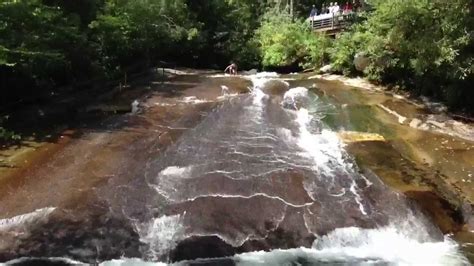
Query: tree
<point x="284" y="42"/>
<point x="423" y="46"/>
<point x="38" y="46"/>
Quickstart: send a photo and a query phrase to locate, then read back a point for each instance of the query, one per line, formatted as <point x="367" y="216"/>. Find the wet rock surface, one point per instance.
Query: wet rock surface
<point x="207" y="170"/>
<point x="432" y="163"/>
<point x="95" y="182"/>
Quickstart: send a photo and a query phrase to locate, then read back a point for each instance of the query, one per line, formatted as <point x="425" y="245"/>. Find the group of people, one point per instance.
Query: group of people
<point x="335" y="8"/>
<point x="331" y="8"/>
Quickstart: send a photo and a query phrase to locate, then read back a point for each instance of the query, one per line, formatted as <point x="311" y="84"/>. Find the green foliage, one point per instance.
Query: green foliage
<point x="424" y="46"/>
<point x="227" y="30"/>
<point x="243" y="18"/>
<point x="48" y="44"/>
<point x="344" y="49"/>
<point x="284" y="42"/>
<point x="130" y="32"/>
<point x="7" y="135"/>
<point x="38" y="41"/>
<point x="279" y="39"/>
<point x="84" y="11"/>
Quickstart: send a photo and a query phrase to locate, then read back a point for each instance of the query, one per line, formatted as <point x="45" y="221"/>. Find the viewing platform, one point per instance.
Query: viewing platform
<point x="333" y="23"/>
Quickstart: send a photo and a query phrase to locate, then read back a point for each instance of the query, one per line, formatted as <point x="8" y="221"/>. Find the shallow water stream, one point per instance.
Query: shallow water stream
<point x="277" y="175"/>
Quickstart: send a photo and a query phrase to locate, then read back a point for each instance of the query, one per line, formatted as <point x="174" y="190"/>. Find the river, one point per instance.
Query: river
<point x="218" y="175"/>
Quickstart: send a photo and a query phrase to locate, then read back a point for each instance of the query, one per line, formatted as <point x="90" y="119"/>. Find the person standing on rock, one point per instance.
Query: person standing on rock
<point x="232" y="69"/>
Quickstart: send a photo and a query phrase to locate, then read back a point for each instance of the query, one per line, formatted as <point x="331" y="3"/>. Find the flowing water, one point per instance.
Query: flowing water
<point x="260" y="180"/>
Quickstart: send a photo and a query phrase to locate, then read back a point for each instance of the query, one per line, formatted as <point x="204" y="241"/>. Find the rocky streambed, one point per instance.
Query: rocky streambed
<point x="210" y="166"/>
<point x="412" y="144"/>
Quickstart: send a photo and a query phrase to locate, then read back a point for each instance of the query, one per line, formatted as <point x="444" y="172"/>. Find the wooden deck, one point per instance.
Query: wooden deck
<point x="333" y="24"/>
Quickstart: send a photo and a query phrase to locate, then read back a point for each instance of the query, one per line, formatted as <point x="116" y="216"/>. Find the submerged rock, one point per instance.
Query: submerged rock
<point x="295" y="98"/>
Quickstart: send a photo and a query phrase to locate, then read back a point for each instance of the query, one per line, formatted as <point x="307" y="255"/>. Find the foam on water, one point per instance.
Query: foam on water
<point x="348" y="246"/>
<point x="403" y="242"/>
<point x="193" y="100"/>
<point x="164" y="104"/>
<point x="25" y="219"/>
<point x="225" y="93"/>
<point x="224" y="196"/>
<point x="260" y="79"/>
<point x="225" y="90"/>
<point x="46" y="261"/>
<point x="227" y="96"/>
<point x="326" y="149"/>
<point x="364" y="246"/>
<point x="259" y="75"/>
<point x="388" y="249"/>
<point x="400" y="243"/>
<point x="292" y="94"/>
<point x="259" y="95"/>
<point x="358" y="198"/>
<point x="343" y="246"/>
<point x="175" y="171"/>
<point x="161" y="235"/>
<point x="131" y="262"/>
<point x="167" y="179"/>
<point x="264" y="75"/>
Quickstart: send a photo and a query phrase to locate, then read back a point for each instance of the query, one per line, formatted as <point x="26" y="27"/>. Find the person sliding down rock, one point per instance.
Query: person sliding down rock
<point x="232" y="69"/>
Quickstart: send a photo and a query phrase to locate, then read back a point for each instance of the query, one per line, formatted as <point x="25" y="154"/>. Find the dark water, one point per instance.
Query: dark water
<point x="259" y="181"/>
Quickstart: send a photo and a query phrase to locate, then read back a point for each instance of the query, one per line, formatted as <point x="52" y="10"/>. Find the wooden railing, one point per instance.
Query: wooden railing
<point x="333" y="22"/>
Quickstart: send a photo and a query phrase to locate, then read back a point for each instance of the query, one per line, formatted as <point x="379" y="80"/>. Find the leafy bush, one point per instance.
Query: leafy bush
<point x="46" y="44"/>
<point x="423" y="46"/>
<point x="317" y="47"/>
<point x="40" y="44"/>
<point x="284" y="42"/>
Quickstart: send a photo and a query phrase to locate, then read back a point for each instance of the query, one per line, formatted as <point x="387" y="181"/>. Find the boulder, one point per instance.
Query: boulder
<point x="361" y="61"/>
<point x="325" y="69"/>
<point x="295" y="98"/>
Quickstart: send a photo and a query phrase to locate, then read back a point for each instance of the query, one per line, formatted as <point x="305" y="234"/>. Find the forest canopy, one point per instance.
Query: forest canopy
<point x="49" y="45"/>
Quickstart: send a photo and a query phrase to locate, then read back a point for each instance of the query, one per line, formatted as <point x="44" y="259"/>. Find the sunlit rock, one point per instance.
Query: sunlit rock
<point x="361" y="61"/>
<point x="349" y="136"/>
<point x="326" y="69"/>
